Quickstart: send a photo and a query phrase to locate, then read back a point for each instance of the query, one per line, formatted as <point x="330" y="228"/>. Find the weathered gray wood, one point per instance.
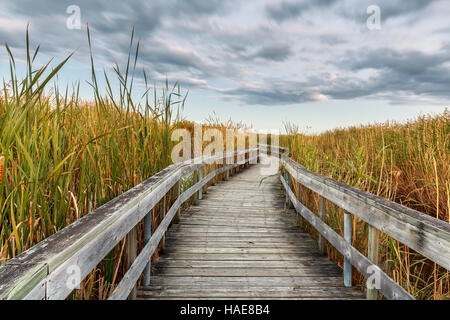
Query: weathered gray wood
<point x="85" y="244"/>
<point x="261" y="292"/>
<point x="388" y="287"/>
<point x="200" y="177"/>
<point x="162" y="206"/>
<point x="236" y="240"/>
<point x="131" y="277"/>
<point x="323" y="217"/>
<point x="372" y="254"/>
<point x="131" y="256"/>
<point x="177" y="192"/>
<point x="253" y="282"/>
<point x="250" y="272"/>
<point x="146" y="238"/>
<point x="87" y="241"/>
<point x="246" y="250"/>
<point x="298" y="256"/>
<point x="270" y="264"/>
<point x="422" y="233"/>
<point x="252" y="298"/>
<point x="348" y="230"/>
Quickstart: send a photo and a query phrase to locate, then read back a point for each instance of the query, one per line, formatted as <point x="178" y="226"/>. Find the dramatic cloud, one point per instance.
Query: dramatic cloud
<point x="286" y="10"/>
<point x="255" y="52"/>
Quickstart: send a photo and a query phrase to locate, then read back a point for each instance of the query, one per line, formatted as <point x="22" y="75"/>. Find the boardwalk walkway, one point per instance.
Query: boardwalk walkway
<point x="238" y="242"/>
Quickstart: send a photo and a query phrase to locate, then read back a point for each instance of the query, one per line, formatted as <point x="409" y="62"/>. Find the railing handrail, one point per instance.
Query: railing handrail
<point x="42" y="270"/>
<point x="423" y="233"/>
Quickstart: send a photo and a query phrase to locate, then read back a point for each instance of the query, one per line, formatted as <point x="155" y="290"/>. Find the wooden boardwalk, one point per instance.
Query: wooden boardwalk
<point x="239" y="243"/>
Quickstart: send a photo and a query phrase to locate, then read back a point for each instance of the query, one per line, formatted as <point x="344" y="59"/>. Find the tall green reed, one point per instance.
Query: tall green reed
<point x="63" y="156"/>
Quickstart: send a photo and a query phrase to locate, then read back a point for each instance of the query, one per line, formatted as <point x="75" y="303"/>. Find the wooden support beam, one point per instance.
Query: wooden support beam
<point x="200" y="177"/>
<point x="348" y="230"/>
<point x="300" y="198"/>
<point x="286" y="177"/>
<point x="162" y="207"/>
<point x="177" y="189"/>
<point x="373" y="247"/>
<point x="131" y="256"/>
<point x="146" y="239"/>
<point x="87" y="241"/>
<point x="323" y="217"/>
<point x="196" y="177"/>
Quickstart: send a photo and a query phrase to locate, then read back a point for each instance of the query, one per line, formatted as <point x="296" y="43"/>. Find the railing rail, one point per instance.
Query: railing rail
<point x="427" y="235"/>
<point x="46" y="270"/>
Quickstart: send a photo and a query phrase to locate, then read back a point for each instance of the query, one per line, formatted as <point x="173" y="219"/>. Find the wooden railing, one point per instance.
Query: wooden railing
<point x="52" y="268"/>
<point x="42" y="272"/>
<point x="427" y="235"/>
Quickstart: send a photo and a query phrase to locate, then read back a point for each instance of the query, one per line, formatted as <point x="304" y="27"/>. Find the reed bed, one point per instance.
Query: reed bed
<point x="404" y="162"/>
<point x="61" y="156"/>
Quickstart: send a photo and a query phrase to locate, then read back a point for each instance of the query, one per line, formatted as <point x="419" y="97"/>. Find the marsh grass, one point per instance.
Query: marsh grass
<point x="404" y="162"/>
<point x="61" y="157"/>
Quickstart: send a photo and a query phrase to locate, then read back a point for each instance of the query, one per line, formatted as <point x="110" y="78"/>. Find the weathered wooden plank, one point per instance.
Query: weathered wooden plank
<point x="243" y="243"/>
<point x="131" y="256"/>
<point x="372" y="254"/>
<point x="261" y="292"/>
<point x="348" y="231"/>
<point x="206" y="228"/>
<point x="323" y="217"/>
<point x="226" y="250"/>
<point x="249" y="272"/>
<point x="132" y="275"/>
<point x="240" y="245"/>
<point x="242" y="256"/>
<point x="241" y="264"/>
<point x="237" y="236"/>
<point x="236" y="218"/>
<point x="255" y="298"/>
<point x="212" y="248"/>
<point x="208" y="282"/>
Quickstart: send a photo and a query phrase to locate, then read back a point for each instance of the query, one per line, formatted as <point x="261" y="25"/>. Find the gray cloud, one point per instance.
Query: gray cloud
<point x="279" y="56"/>
<point x="286" y="10"/>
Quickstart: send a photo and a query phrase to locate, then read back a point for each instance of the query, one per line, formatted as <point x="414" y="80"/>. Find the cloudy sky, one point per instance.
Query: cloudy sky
<point x="314" y="63"/>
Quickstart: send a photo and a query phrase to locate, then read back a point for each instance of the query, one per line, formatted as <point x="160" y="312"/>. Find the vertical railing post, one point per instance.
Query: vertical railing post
<point x="300" y="199"/>
<point x="200" y="177"/>
<point x="289" y="184"/>
<point x="323" y="217"/>
<point x="258" y="154"/>
<point x="246" y="157"/>
<point x="146" y="239"/>
<point x="163" y="214"/>
<point x="348" y="230"/>
<point x="227" y="173"/>
<point x="195" y="177"/>
<point x="131" y="256"/>
<point x="214" y="180"/>
<point x="177" y="189"/>
<point x="374" y="235"/>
